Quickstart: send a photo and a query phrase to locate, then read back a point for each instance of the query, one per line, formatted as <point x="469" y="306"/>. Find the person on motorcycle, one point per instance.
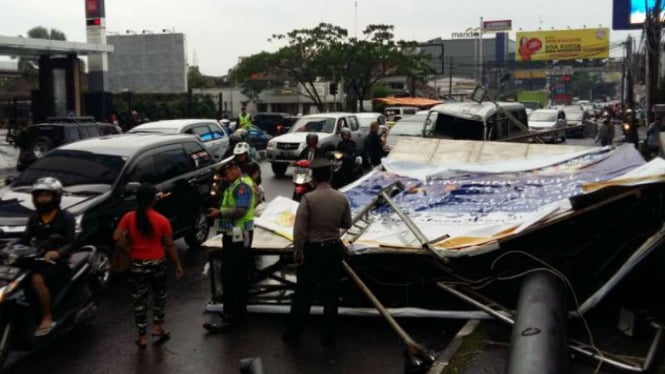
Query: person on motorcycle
<point x="348" y="147"/>
<point x="233" y="140"/>
<point x="52" y="230"/>
<point x="311" y="151"/>
<point x="630" y="128"/>
<point x="251" y="170"/>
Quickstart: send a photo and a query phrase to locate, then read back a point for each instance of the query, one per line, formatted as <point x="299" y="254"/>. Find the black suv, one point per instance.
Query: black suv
<point x="37" y="140"/>
<point x="274" y="123"/>
<point x="101" y="175"/>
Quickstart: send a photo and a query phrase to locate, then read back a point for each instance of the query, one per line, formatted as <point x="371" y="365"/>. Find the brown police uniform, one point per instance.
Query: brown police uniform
<point x="321" y="215"/>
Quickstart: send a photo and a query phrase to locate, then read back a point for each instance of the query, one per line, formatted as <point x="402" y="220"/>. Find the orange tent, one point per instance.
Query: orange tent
<point x="419" y="102"/>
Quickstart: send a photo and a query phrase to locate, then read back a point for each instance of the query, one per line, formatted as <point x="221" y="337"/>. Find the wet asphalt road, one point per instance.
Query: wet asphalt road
<point x="365" y="345"/>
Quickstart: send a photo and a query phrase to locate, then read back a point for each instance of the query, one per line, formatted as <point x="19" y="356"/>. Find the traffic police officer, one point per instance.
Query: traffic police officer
<point x="244" y="120"/>
<point x="318" y="253"/>
<point x="235" y="223"/>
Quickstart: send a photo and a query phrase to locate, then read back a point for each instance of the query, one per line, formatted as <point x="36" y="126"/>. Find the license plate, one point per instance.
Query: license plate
<point x="8" y="272"/>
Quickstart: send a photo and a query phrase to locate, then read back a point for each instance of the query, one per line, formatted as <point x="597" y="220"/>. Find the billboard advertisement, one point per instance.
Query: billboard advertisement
<point x="630" y="14"/>
<point x="563" y="45"/>
<point x="497" y="26"/>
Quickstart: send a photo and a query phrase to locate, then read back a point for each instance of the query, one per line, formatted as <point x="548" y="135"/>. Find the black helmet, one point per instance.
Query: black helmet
<point x="47" y="184"/>
<point x="235" y="138"/>
<point x="312" y="136"/>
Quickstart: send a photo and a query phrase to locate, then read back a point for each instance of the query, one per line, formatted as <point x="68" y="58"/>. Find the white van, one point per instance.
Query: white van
<point x="475" y="121"/>
<point x="395" y="113"/>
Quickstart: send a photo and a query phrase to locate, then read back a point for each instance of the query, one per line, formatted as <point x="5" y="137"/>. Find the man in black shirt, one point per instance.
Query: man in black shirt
<point x="373" y="145"/>
<point x="53" y="231"/>
<point x="311" y="150"/>
<point x="348" y="147"/>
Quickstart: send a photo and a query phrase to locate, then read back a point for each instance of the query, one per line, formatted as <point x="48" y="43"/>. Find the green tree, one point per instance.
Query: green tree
<point x="28" y="66"/>
<point x="378" y="55"/>
<point x="197" y="80"/>
<point x="252" y="73"/>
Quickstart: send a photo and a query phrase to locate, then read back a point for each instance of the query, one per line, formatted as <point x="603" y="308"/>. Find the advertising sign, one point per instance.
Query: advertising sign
<point x="94" y="8"/>
<point x="630" y="14"/>
<point x="497" y="26"/>
<point x="563" y="45"/>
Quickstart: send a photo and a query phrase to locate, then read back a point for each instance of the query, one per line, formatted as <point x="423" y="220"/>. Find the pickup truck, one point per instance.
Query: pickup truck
<point x="284" y="149"/>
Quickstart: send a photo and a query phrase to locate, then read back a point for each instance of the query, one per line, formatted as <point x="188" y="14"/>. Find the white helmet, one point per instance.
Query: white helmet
<point x="48" y="184"/>
<point x="345" y="130"/>
<point x="225" y="122"/>
<point x="241" y="148"/>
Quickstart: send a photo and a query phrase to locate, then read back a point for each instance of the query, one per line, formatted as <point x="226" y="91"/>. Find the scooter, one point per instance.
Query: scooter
<point x="340" y="176"/>
<point x="73" y="306"/>
<point x="302" y="179"/>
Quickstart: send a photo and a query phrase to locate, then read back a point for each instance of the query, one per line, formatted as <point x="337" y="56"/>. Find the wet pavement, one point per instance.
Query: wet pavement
<point x="107" y="346"/>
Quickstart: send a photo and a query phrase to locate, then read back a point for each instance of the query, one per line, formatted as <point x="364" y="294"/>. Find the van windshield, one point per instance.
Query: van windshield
<point x="449" y="127"/>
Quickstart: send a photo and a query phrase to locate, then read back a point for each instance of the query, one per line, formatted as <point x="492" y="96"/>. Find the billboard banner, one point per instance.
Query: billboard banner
<point x="563" y="45"/>
<point x="497" y="26"/>
<point x="630" y="14"/>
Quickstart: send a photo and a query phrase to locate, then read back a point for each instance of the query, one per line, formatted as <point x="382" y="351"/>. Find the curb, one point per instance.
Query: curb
<point x="445" y="357"/>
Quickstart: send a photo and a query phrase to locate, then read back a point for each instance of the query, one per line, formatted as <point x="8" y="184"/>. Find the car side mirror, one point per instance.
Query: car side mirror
<point x="10" y="180"/>
<point x="131" y="188"/>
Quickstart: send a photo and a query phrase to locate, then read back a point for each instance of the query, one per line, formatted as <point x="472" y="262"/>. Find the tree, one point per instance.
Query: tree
<point x="28" y="66"/>
<point x="197" y="80"/>
<point x="252" y="74"/>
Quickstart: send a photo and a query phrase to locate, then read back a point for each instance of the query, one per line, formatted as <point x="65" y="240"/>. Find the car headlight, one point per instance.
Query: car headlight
<point x="78" y="228"/>
<point x="272" y="144"/>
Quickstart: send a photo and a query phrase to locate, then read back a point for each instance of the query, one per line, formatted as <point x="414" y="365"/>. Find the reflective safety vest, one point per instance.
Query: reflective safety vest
<point x="246" y="222"/>
<point x="244" y="121"/>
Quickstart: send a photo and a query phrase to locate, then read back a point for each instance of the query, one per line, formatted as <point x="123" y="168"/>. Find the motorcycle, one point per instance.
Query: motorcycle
<point x="340" y="175"/>
<point x="73" y="306"/>
<point x="302" y="179"/>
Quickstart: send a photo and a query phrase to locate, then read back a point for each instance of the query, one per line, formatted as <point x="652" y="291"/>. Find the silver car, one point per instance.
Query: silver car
<point x="213" y="136"/>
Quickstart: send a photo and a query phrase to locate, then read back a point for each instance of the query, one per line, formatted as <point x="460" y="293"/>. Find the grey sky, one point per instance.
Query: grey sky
<point x="222" y="30"/>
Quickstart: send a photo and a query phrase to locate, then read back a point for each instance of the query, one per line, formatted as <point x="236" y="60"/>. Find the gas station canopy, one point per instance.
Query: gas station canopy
<point x="19" y="46"/>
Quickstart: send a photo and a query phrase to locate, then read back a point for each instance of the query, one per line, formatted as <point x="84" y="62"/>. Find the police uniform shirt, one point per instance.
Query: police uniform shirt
<point x="320" y="216"/>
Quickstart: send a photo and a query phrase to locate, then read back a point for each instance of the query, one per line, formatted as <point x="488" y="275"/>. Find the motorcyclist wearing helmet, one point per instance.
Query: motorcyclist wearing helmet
<point x="311" y="150"/>
<point x="348" y="147"/>
<point x="53" y="231"/>
<point x="242" y="155"/>
<point x="233" y="140"/>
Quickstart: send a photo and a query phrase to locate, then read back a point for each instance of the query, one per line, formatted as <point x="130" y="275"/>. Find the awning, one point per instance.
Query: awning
<point x="420" y="102"/>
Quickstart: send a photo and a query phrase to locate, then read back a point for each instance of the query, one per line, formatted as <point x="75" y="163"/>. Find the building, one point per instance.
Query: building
<point x="148" y="63"/>
<point x="461" y="55"/>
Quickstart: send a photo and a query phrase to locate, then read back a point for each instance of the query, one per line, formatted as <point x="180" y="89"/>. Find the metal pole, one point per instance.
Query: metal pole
<point x="480" y="52"/>
<point x="538" y="342"/>
<point x="450" y="77"/>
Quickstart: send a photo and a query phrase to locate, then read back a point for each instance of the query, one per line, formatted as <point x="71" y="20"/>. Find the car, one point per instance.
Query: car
<point x="274" y="123"/>
<point x="366" y="119"/>
<point x="101" y="176"/>
<point x="214" y="136"/>
<point x="285" y="149"/>
<point x="546" y="120"/>
<point x="37" y="140"/>
<point x="407" y="126"/>
<point x="395" y="113"/>
<point x="258" y="138"/>
<point x="575" y="116"/>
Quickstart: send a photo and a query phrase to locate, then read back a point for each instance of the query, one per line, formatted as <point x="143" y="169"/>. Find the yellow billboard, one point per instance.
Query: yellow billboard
<point x="563" y="45"/>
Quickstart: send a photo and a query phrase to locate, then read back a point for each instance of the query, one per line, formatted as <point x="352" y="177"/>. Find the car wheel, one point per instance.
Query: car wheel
<point x="199" y="233"/>
<point x="279" y="169"/>
<point x="41" y="146"/>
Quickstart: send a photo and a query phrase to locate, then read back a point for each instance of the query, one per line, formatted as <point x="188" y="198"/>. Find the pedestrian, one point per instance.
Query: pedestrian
<point x="373" y="146"/>
<point x="318" y="254"/>
<point x="235" y="221"/>
<point x="605" y="132"/>
<point x="652" y="144"/>
<point x="149" y="236"/>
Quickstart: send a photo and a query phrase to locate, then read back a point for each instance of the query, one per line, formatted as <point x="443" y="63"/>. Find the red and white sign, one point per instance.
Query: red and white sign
<point x="497" y="26"/>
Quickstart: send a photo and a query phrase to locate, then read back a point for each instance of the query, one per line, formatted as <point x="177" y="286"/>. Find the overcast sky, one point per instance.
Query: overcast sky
<point x="222" y="30"/>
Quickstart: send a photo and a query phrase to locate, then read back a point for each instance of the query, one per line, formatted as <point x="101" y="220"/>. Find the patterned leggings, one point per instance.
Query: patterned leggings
<point x="146" y="276"/>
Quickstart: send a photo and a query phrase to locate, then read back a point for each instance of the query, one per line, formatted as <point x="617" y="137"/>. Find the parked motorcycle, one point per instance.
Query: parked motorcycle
<point x="302" y="179"/>
<point x="72" y="306"/>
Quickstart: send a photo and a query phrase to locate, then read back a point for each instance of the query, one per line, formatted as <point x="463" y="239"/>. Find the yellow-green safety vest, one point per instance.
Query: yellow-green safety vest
<point x="245" y="121"/>
<point x="245" y="222"/>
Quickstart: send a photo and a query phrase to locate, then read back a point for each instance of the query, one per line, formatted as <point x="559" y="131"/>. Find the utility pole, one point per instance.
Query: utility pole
<point x="653" y="29"/>
<point x="450" y="77"/>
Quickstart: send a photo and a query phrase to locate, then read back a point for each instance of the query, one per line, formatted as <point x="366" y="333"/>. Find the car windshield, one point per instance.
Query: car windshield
<point x="366" y="121"/>
<point x="575" y="115"/>
<point x="407" y="128"/>
<point x="539" y="116"/>
<point x="157" y="130"/>
<point x="314" y="124"/>
<point x="74" y="168"/>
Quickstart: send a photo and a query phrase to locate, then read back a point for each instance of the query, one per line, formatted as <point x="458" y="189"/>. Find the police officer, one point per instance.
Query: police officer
<point x="318" y="254"/>
<point x="235" y="223"/>
<point x="244" y="120"/>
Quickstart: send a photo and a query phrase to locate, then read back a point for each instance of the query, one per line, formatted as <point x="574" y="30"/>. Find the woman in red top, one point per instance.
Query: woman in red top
<point x="149" y="234"/>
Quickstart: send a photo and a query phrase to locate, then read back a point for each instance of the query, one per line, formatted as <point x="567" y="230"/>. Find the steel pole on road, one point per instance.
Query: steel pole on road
<point x="539" y="343"/>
